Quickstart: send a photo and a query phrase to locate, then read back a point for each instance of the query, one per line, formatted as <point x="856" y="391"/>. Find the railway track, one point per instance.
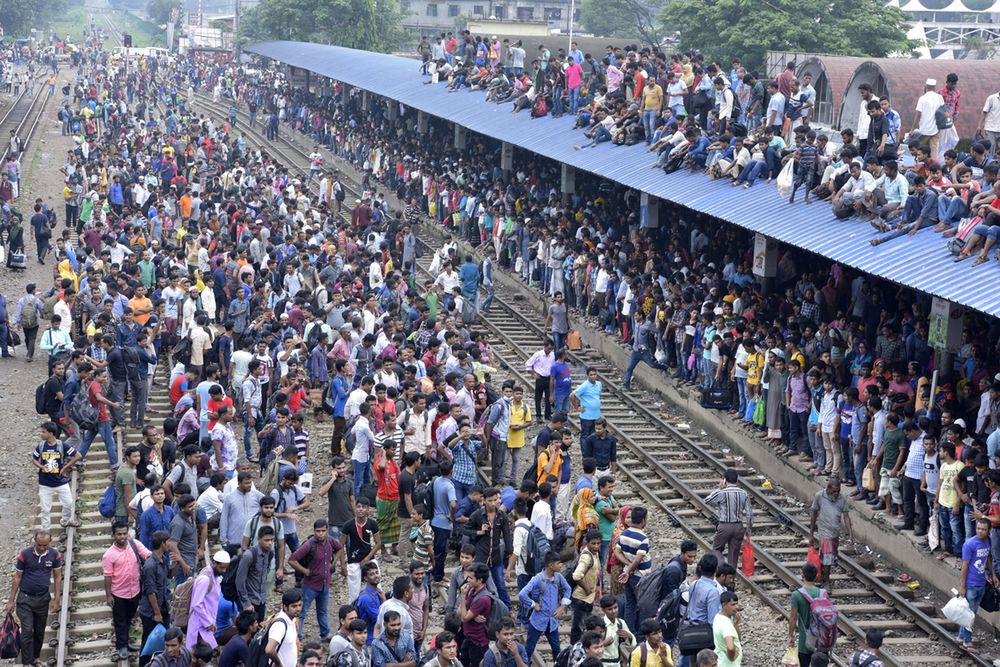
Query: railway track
<point x="673" y="472"/>
<point x="23" y="115"/>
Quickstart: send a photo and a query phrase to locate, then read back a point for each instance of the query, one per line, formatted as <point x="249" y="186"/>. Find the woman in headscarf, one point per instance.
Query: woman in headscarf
<point x="584" y="514"/>
<point x="615" y="565"/>
<point x="66" y="272"/>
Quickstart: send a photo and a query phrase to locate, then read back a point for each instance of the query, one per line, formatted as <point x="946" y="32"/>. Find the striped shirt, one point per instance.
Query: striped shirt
<point x="635" y="543"/>
<point x="733" y="505"/>
<point x="915" y="458"/>
<point x="464" y="471"/>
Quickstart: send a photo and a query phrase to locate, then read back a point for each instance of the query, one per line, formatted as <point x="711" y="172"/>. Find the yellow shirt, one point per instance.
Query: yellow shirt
<point x="520" y="416"/>
<point x="949" y="473"/>
<point x="653" y="658"/>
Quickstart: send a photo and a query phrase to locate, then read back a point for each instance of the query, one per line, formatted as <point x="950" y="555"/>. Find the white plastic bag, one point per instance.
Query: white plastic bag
<point x="933" y="535"/>
<point x="957" y="611"/>
<point x="786" y="178"/>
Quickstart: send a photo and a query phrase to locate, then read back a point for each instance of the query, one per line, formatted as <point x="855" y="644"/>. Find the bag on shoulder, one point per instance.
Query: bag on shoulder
<point x="29" y="316"/>
<point x="180" y="603"/>
<point x="40" y="398"/>
<point x="423" y="494"/>
<point x="258" y="657"/>
<point x="536" y="546"/>
<point x="498" y="612"/>
<point x="49" y="307"/>
<point x="82" y="412"/>
<point x="106" y="505"/>
<point x="821" y="633"/>
<point x="943" y="117"/>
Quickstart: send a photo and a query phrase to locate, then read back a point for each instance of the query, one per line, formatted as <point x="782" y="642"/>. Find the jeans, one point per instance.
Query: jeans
<point x="860" y="461"/>
<point x="116" y="393"/>
<point x="309" y="594"/>
<point x="558" y="341"/>
<point x="498" y="460"/>
<point x="441" y="536"/>
<point x="516" y="461"/>
<point x="953" y="530"/>
<point x="969" y="528"/>
<point x="633" y="361"/>
<point x="557" y="106"/>
<point x="522" y="613"/>
<point x="487" y="300"/>
<point x="104" y="428"/>
<point x="574" y="99"/>
<point x="798" y="427"/>
<point x="752" y="171"/>
<point x="123" y="613"/>
<point x="586" y="427"/>
<point x="914" y="505"/>
<point x="542" y="393"/>
<point x="974" y="595"/>
<point x="631" y="602"/>
<point x="581" y="610"/>
<point x="847" y="455"/>
<point x="816" y="445"/>
<point x="4" y="340"/>
<point x="552" y="635"/>
<point x="257" y="426"/>
<point x="649" y="124"/>
<point x="140" y="397"/>
<point x="33" y="612"/>
<point x="951" y="209"/>
<point x="560" y="404"/>
<point x="362" y="475"/>
<point x="497" y="571"/>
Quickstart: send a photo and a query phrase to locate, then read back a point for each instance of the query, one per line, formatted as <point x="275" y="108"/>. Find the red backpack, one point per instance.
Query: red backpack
<point x="821" y="633"/>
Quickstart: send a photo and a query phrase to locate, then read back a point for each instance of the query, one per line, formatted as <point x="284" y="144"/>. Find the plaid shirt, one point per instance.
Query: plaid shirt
<point x="915" y="458"/>
<point x="97" y="353"/>
<point x="383" y="653"/>
<point x="465" y="462"/>
<point x="951" y="99"/>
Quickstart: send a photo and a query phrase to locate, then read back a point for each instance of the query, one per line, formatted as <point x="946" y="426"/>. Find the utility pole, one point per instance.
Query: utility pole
<point x="236" y="32"/>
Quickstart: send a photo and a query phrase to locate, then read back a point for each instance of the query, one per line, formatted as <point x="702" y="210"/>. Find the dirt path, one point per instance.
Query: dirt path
<point x="40" y="177"/>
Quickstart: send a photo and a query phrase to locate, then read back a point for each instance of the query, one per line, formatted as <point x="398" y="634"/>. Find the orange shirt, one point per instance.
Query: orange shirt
<point x="135" y="303"/>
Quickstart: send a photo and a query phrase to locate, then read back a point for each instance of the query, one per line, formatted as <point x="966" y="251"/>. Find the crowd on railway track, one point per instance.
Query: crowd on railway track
<point x="275" y="308"/>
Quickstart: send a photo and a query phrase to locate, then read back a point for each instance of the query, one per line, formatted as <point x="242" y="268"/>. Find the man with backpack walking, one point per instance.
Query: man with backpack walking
<point x="154" y="605"/>
<point x="54" y="459"/>
<point x="204" y="605"/>
<point x="313" y="560"/>
<point x="547" y="595"/>
<point x="27" y="316"/>
<point x="249" y="585"/>
<point x="805" y="630"/>
<point x="121" y="565"/>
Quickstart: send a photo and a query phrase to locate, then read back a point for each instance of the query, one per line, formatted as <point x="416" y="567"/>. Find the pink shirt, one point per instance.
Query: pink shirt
<point x="204" y="606"/>
<point x="123" y="568"/>
<point x="574" y="73"/>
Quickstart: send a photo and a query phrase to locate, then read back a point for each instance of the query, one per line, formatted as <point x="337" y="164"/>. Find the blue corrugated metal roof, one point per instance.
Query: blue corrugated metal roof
<point x="920" y="262"/>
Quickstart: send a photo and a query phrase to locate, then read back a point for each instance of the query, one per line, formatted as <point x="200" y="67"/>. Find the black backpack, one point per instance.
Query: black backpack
<point x="40" y="396"/>
<point x="258" y="645"/>
<point x="423" y="494"/>
<point x="228" y="586"/>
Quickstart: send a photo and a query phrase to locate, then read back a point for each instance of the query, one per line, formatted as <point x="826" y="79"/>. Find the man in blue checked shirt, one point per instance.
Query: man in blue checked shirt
<point x="548" y="594"/>
<point x="393" y="645"/>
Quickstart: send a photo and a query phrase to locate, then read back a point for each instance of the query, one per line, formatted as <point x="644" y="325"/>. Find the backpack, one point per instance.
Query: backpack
<point x="943" y="117"/>
<point x="269" y="480"/>
<point x="647" y="592"/>
<point x="82" y="412"/>
<point x="821" y="633"/>
<point x="29" y="316"/>
<point x="349" y="437"/>
<point x="106" y="505"/>
<point x="228" y="585"/>
<point x="305" y="562"/>
<point x="182" y="351"/>
<point x="258" y="658"/>
<point x="212" y="356"/>
<point x="180" y="603"/>
<point x="49" y="307"/>
<point x="498" y="612"/>
<point x="672" y="608"/>
<point x="130" y="356"/>
<point x="40" y="396"/>
<point x="856" y="660"/>
<point x="423" y="494"/>
<point x="562" y="660"/>
<point x="536" y="546"/>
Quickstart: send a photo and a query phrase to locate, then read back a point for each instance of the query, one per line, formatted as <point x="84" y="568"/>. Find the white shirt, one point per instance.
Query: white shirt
<point x="393" y="604"/>
<point x="353" y="403"/>
<point x="62" y="310"/>
<point x="520" y="535"/>
<point x="992" y="111"/>
<point x="211" y="501"/>
<point x="541" y="516"/>
<point x="284" y="634"/>
<point x="864" y="120"/>
<point x="927" y="106"/>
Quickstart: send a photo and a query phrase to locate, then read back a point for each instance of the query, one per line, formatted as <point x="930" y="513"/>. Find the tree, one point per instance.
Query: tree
<point x="623" y="18"/>
<point x="159" y="10"/>
<point x="19" y="17"/>
<point x="724" y="29"/>
<point x="373" y="25"/>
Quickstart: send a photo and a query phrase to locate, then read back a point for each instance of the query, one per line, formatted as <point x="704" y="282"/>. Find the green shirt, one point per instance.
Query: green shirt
<point x="431" y="299"/>
<point x="799" y="602"/>
<point x="605" y="525"/>
<point x="723" y="627"/>
<point x="124" y="477"/>
<point x="148" y="272"/>
<point x="891" y="444"/>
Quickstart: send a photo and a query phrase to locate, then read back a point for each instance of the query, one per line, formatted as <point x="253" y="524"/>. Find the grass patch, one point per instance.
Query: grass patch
<point x="75" y="20"/>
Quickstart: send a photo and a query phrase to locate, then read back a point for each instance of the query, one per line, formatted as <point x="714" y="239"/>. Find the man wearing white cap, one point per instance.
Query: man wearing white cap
<point x="925" y="122"/>
<point x="205" y="601"/>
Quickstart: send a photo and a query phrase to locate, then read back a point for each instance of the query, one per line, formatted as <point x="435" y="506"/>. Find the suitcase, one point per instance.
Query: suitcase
<point x="716" y="398"/>
<point x="17" y="261"/>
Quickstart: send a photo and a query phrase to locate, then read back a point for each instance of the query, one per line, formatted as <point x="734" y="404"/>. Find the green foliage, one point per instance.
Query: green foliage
<point x="373" y="25"/>
<point x="629" y="19"/>
<point x="159" y="10"/>
<point x="20" y="16"/>
<point x="726" y="28"/>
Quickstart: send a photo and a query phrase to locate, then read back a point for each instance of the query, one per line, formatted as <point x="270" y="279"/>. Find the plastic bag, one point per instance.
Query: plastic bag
<point x="933" y="534"/>
<point x="747" y="557"/>
<point x="760" y="414"/>
<point x="957" y="611"/>
<point x="791" y="658"/>
<point x="574" y="341"/>
<point x="868" y="480"/>
<point x="751" y="408"/>
<point x="813" y="557"/>
<point x="786" y="178"/>
<point x="154" y="643"/>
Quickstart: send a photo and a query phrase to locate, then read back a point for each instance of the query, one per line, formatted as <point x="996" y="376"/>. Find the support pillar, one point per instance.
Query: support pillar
<point x="422" y="120"/>
<point x="507" y="157"/>
<point x="461" y="137"/>
<point x="393" y="108"/>
<point x="649" y="211"/>
<point x="765" y="260"/>
<point x="944" y="334"/>
<point x="366" y="100"/>
<point x="567" y="182"/>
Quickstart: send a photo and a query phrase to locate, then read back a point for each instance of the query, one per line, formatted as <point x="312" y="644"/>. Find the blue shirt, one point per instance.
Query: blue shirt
<point x="151" y="521"/>
<point x="703" y="601"/>
<point x="341" y="389"/>
<point x="976" y="551"/>
<point x="383" y="653"/>
<point x="589" y="394"/>
<point x="368" y="604"/>
<point x="562" y="378"/>
<point x="506" y="659"/>
<point x="465" y="462"/>
<point x="549" y="593"/>
<point x="444" y="496"/>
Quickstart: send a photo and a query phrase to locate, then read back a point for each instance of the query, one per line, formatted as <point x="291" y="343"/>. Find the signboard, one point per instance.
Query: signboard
<point x="945" y="326"/>
<point x="765" y="256"/>
<point x="507" y="156"/>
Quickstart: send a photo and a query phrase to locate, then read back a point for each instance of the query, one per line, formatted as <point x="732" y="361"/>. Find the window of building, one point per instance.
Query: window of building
<point x="553" y="13"/>
<point x="525" y="13"/>
<point x="452" y="10"/>
<point x="432" y="9"/>
<point x="477" y="10"/>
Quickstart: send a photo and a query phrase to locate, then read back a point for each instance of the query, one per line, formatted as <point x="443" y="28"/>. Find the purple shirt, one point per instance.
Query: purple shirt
<point x="799" y="389"/>
<point x="204" y="607"/>
<point x="320" y="564"/>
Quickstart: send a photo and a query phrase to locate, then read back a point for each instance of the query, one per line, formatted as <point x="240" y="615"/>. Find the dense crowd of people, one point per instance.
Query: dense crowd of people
<point x="459" y="537"/>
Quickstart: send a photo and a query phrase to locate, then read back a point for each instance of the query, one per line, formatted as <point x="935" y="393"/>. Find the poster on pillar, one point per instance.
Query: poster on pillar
<point x="944" y="330"/>
<point x="765" y="256"/>
<point x="507" y="156"/>
<point x="649" y="211"/>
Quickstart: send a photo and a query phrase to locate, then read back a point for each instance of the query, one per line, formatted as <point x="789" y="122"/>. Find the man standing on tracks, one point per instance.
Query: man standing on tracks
<point x="540" y="365"/>
<point x="587" y="397"/>
<point x="735" y="516"/>
<point x="829" y="509"/>
<point x="34" y="570"/>
<point x="121" y="565"/>
<point x="54" y="459"/>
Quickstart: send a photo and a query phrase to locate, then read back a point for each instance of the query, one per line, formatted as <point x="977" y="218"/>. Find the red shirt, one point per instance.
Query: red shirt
<point x="93" y="392"/>
<point x="177" y="388"/>
<point x="295" y="399"/>
<point x="388" y="479"/>
<point x="214" y="405"/>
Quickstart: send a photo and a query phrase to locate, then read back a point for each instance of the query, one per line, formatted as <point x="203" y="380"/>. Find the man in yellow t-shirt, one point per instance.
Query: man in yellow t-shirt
<point x="947" y="502"/>
<point x="520" y="420"/>
<point x="654" y="652"/>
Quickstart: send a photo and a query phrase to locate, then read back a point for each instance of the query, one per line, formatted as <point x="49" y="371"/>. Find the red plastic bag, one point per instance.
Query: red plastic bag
<point x="747" y="557"/>
<point x="813" y="557"/>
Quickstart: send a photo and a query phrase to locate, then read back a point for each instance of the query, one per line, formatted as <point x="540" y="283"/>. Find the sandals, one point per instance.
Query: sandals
<point x="979" y="260"/>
